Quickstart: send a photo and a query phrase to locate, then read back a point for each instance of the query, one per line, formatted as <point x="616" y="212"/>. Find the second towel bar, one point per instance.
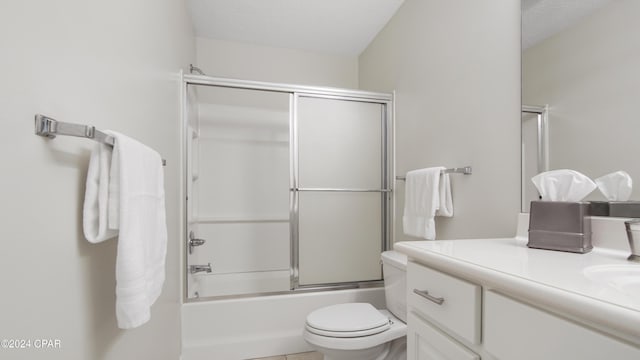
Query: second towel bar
<point x="461" y="170"/>
<point x="340" y="190"/>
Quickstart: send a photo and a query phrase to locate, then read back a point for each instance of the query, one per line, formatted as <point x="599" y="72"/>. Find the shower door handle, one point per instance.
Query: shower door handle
<point x="193" y="242"/>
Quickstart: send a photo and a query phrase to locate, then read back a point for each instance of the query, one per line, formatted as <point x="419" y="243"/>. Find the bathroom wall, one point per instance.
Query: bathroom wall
<point x="588" y="75"/>
<point x="111" y="64"/>
<point x="263" y="63"/>
<point x="455" y="66"/>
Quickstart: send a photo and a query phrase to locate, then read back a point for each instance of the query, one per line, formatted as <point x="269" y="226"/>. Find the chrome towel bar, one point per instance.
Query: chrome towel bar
<point x="50" y="128"/>
<point x="340" y="190"/>
<point x="461" y="170"/>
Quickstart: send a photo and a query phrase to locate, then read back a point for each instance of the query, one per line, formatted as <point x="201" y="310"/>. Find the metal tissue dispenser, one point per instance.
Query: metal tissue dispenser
<point x="562" y="226"/>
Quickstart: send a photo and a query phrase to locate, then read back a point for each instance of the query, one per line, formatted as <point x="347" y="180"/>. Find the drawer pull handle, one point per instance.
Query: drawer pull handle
<point x="425" y="294"/>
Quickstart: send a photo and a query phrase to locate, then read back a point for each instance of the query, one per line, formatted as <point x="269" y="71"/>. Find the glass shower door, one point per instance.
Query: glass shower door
<point x="239" y="198"/>
<point x="341" y="190"/>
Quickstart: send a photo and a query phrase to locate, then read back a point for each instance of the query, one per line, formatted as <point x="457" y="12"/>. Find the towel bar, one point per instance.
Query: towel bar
<point x="48" y="127"/>
<point x="461" y="170"/>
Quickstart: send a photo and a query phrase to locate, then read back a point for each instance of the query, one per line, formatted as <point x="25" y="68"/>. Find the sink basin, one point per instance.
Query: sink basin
<point x="624" y="278"/>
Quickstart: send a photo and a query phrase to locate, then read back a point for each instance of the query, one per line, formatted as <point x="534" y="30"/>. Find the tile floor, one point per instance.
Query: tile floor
<point x="301" y="356"/>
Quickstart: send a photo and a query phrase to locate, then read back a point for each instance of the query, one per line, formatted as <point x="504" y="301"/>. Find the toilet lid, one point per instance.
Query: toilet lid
<point x="347" y="320"/>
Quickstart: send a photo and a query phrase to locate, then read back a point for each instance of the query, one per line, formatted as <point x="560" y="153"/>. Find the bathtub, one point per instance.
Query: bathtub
<point x="259" y="326"/>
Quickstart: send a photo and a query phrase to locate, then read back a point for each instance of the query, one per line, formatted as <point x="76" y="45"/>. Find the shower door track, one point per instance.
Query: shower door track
<point x="296" y="91"/>
<point x="345" y="94"/>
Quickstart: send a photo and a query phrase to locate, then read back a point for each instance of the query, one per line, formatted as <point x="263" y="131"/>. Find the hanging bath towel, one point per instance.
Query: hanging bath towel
<point x="136" y="210"/>
<point x="427" y="194"/>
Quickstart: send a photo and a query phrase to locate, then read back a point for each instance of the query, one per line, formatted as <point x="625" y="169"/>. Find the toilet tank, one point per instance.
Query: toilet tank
<point x="394" y="270"/>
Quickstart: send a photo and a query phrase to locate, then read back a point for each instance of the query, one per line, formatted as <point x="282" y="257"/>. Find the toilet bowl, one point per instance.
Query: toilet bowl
<point x="358" y="331"/>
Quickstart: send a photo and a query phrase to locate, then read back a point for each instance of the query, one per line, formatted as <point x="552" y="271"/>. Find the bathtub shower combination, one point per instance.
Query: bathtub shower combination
<point x="288" y="187"/>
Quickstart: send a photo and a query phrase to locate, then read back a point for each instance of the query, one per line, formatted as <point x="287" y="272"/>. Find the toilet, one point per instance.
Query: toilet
<point x="358" y="331"/>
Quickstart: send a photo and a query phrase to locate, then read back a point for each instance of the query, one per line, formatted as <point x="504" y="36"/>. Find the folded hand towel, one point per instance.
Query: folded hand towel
<point x="95" y="211"/>
<point x="137" y="209"/>
<point x="426" y="195"/>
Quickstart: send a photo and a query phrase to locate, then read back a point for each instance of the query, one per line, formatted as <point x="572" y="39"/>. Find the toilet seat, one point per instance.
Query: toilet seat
<point x="347" y="321"/>
<point x="397" y="330"/>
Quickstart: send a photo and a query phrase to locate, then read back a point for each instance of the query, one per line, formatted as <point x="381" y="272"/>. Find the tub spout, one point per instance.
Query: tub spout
<point x="194" y="269"/>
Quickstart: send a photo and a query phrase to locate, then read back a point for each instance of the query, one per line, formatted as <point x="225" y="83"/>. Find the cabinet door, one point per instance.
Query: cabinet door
<point x="424" y="342"/>
<point x="513" y="330"/>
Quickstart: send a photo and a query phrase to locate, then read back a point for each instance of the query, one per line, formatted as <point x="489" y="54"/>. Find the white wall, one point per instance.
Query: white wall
<point x="455" y="66"/>
<point x="589" y="76"/>
<point x="263" y="63"/>
<point x="112" y="64"/>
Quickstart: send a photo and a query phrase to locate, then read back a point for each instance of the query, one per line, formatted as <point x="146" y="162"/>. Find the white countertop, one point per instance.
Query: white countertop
<point x="567" y="283"/>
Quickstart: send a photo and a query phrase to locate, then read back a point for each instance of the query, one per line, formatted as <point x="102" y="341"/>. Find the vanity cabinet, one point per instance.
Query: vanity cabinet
<point x="459" y="319"/>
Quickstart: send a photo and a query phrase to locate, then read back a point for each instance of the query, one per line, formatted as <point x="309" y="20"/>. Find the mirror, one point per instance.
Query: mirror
<point x="582" y="60"/>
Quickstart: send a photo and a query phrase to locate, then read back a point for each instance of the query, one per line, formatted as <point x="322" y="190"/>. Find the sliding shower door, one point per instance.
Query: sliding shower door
<point x="287" y="189"/>
<point x="240" y="192"/>
<point x="340" y="190"/>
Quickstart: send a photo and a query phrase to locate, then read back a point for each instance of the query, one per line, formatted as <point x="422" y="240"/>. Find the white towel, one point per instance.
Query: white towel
<point x="427" y="194"/>
<point x="446" y="202"/>
<point x="96" y="198"/>
<point x="137" y="209"/>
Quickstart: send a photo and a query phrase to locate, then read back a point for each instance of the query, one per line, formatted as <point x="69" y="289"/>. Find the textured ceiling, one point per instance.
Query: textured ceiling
<point x="543" y="18"/>
<point x="328" y="26"/>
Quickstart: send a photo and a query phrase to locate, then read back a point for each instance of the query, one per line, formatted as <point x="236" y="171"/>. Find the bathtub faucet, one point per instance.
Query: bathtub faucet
<point x="194" y="242"/>
<point x="194" y="269"/>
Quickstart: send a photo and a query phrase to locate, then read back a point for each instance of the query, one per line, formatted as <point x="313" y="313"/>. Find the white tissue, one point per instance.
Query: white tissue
<point x="563" y="185"/>
<point x="615" y="186"/>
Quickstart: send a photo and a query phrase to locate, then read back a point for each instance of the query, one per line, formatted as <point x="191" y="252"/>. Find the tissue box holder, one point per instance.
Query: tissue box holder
<point x="562" y="226"/>
<point x="629" y="209"/>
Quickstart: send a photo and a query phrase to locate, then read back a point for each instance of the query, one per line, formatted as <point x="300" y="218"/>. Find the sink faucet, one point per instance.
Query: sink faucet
<point x="633" y="234"/>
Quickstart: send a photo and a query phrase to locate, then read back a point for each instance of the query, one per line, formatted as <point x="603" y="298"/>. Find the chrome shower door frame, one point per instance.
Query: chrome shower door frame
<point x="386" y="190"/>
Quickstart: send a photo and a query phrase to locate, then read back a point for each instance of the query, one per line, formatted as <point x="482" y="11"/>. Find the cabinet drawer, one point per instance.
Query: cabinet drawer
<point x="452" y="303"/>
